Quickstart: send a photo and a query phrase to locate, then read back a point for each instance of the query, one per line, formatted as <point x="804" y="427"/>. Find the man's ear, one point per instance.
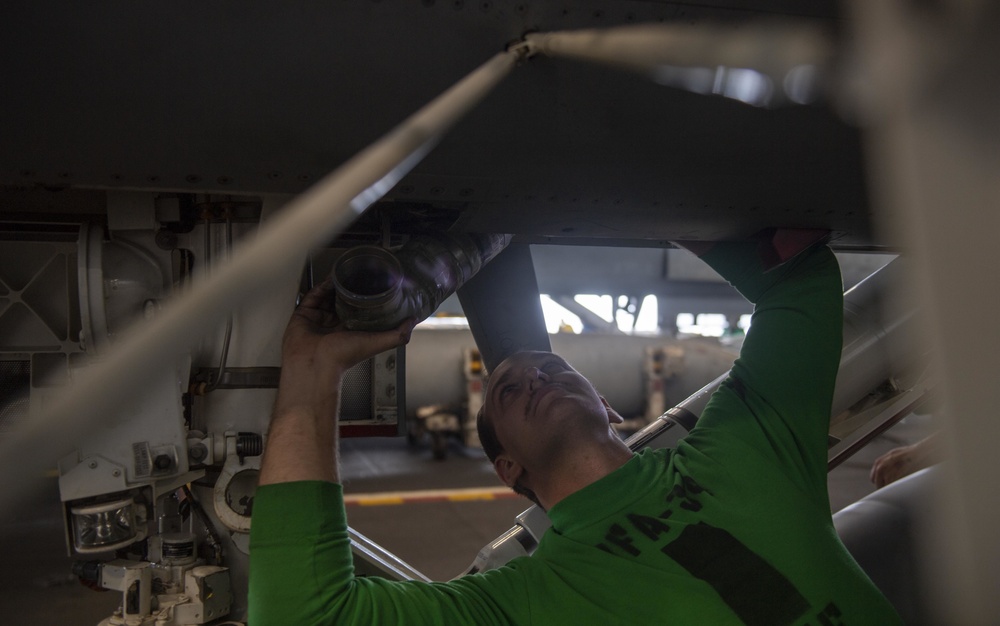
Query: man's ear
<point x="507" y="469"/>
<point x="613" y="416"/>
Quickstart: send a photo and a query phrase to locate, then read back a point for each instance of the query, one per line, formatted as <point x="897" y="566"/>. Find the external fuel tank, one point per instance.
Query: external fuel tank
<point x="613" y="363"/>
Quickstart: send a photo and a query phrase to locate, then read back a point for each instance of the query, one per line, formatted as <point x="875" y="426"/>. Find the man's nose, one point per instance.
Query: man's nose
<point x="535" y="376"/>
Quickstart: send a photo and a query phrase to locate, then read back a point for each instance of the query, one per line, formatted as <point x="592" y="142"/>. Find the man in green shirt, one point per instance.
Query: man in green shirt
<point x="732" y="526"/>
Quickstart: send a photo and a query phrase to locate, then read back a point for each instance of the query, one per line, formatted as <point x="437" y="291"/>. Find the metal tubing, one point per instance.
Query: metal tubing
<point x="503" y="308"/>
<point x="880" y="335"/>
<point x="308" y="221"/>
<point x="378" y="289"/>
<point x="221" y="370"/>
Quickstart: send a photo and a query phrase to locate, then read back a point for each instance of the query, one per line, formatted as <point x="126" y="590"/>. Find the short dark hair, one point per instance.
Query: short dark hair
<point x="491" y="446"/>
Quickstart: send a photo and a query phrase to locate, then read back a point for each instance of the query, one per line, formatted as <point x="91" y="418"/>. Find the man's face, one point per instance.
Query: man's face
<point x="537" y="403"/>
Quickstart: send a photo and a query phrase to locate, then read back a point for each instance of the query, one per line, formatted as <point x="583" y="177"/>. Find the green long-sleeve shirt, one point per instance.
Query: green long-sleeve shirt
<point x="731" y="527"/>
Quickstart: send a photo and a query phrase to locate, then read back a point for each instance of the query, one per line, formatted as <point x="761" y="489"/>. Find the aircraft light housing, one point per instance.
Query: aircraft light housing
<point x="105" y="526"/>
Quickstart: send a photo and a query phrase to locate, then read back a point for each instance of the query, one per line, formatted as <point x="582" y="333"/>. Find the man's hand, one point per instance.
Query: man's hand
<point x="316" y="352"/>
<point x="903" y="461"/>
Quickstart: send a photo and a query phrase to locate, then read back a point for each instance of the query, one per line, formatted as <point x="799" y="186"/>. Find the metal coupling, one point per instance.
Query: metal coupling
<point x="378" y="289"/>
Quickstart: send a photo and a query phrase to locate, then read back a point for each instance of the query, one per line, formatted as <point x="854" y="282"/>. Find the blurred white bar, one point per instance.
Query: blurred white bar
<point x="255" y="269"/>
<point x="926" y="90"/>
<point x="768" y="62"/>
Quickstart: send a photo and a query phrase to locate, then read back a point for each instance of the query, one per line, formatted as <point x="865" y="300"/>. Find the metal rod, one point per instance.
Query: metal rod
<point x="278" y="251"/>
<point x="221" y="370"/>
<point x="764" y="63"/>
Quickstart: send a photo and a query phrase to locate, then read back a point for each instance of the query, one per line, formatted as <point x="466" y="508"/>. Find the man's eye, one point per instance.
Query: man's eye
<point x="506" y="389"/>
<point x="552" y="368"/>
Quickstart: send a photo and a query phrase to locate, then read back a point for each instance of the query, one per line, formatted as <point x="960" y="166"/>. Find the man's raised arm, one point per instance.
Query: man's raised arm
<point x="787" y="367"/>
<point x="316" y="352"/>
<point x="296" y="504"/>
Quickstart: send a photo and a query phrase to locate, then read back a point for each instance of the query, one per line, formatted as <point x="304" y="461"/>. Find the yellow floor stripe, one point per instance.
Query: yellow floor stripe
<point x="378" y="501"/>
<point x="429" y="495"/>
<point x="460" y="497"/>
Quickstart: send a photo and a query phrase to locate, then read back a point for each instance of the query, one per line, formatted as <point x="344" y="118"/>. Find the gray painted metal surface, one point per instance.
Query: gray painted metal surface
<point x="271" y="97"/>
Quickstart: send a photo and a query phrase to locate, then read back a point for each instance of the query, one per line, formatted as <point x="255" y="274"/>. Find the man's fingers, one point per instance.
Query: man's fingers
<point x="873" y="475"/>
<point x="322" y="296"/>
<point x="317" y="309"/>
<point x="386" y="340"/>
<point x="356" y="346"/>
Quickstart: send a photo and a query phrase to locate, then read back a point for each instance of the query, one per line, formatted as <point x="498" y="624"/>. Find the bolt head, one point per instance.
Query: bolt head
<point x="198" y="452"/>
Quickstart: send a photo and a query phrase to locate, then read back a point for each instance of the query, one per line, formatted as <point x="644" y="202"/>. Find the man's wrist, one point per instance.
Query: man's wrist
<point x="305" y="409"/>
<point x="301" y="445"/>
<point x="308" y="394"/>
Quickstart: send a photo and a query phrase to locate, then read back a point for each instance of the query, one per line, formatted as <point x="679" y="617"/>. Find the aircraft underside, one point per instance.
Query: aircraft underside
<point x="172" y="177"/>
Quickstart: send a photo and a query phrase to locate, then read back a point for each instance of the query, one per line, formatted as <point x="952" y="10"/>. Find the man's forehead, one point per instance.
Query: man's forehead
<point x="525" y="358"/>
<point x="511" y="366"/>
<point x="519" y="360"/>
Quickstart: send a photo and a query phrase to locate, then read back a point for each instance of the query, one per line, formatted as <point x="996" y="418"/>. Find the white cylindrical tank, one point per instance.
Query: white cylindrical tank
<point x="613" y="363"/>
